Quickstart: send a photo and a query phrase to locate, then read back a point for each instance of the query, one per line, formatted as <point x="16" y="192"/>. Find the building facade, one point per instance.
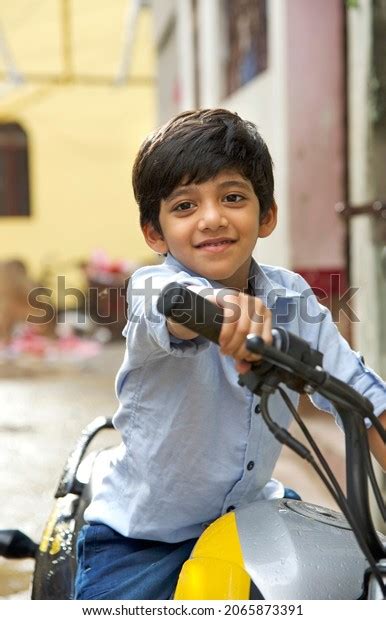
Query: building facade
<point x="77" y="89"/>
<point x="265" y="61"/>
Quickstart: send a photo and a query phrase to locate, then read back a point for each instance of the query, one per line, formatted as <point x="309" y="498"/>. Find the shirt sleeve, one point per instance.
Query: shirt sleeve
<point x="317" y="327"/>
<point x="146" y="332"/>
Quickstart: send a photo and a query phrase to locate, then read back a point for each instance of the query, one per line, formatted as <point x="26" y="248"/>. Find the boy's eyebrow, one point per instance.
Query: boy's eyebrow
<point x="179" y="191"/>
<point x="241" y="184"/>
<point x="183" y="190"/>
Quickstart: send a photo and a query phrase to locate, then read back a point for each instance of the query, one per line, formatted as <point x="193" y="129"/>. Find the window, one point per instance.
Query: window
<point x="14" y="180"/>
<point x="246" y="26"/>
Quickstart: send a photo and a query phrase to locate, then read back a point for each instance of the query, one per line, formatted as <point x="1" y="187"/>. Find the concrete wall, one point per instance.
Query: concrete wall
<point x="298" y="106"/>
<point x="163" y="13"/>
<point x="366" y="267"/>
<point x="262" y="101"/>
<point x="173" y="28"/>
<point x="363" y="250"/>
<point x="316" y="144"/>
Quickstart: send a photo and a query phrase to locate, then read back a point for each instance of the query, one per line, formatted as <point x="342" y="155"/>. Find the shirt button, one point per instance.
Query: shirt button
<point x="250" y="465"/>
<point x="257" y="409"/>
<point x="230" y="508"/>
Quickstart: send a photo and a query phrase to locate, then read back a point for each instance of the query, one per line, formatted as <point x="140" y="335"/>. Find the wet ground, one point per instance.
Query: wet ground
<point x="42" y="414"/>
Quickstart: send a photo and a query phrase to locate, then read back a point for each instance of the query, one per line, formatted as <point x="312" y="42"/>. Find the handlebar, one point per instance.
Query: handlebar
<point x="291" y="360"/>
<point x="186" y="307"/>
<point x="288" y="351"/>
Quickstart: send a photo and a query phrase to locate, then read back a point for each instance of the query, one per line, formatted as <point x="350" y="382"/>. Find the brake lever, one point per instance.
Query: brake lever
<point x="283" y="367"/>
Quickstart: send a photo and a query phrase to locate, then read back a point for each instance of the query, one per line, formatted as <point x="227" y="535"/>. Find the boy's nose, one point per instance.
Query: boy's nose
<point x="212" y="219"/>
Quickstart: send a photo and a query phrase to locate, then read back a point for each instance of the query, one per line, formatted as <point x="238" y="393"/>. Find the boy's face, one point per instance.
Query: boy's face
<point x="212" y="227"/>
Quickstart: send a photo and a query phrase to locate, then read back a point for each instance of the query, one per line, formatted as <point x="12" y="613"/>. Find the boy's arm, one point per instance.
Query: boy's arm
<point x="377" y="446"/>
<point x="342" y="362"/>
<point x="232" y="343"/>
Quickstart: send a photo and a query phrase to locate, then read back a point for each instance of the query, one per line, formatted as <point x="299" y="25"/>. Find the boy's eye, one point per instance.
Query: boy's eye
<point x="183" y="206"/>
<point x="234" y="198"/>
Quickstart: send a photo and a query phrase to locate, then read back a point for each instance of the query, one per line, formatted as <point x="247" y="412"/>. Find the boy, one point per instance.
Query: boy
<point x="192" y="448"/>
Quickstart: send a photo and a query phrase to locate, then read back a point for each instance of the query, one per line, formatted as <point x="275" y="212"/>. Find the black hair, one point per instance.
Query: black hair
<point x="194" y="147"/>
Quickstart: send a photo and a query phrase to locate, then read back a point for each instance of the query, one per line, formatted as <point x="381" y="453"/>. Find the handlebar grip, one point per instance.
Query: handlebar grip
<point x="186" y="307"/>
<point x="297" y="347"/>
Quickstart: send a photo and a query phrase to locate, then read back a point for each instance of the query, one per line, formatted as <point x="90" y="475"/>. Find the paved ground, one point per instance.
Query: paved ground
<point x="41" y="416"/>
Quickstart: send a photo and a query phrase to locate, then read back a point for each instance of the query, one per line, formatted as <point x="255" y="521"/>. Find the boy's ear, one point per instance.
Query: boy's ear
<point x="154" y="239"/>
<point x="269" y="221"/>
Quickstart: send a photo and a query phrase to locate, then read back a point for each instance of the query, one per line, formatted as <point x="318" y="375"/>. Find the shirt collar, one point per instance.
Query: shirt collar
<point x="263" y="286"/>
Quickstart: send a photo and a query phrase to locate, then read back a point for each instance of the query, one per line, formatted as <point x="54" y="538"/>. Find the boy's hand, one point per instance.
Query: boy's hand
<point x="180" y="331"/>
<point x="243" y="315"/>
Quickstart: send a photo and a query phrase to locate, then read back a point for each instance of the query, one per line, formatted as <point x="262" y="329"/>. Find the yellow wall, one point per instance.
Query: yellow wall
<point x="82" y="139"/>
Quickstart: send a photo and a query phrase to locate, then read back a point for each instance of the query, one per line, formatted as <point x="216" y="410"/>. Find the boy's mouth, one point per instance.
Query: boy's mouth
<point x="215" y="244"/>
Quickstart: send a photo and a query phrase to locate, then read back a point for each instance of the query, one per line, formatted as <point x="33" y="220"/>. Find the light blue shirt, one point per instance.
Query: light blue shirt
<point x="192" y="445"/>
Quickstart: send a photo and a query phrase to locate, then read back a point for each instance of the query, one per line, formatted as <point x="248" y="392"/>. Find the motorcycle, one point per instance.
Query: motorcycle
<point x="270" y="549"/>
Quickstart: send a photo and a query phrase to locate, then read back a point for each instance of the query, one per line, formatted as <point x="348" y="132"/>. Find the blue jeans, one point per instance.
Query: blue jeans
<point x="111" y="566"/>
